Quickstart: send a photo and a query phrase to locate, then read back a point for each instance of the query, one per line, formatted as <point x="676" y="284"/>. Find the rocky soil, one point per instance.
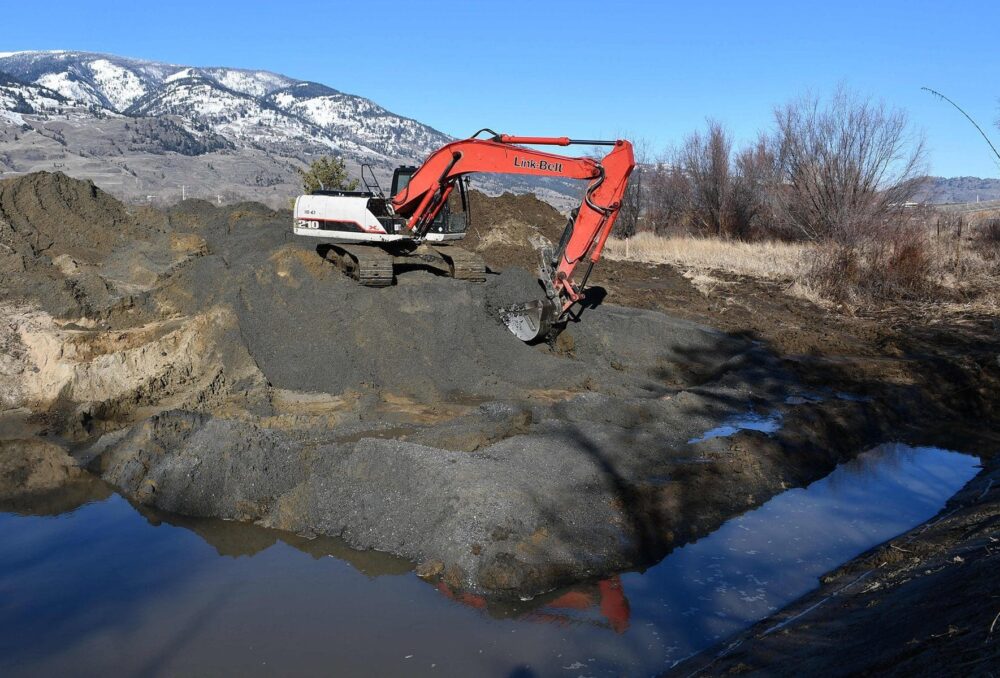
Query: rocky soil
<point x="205" y="363"/>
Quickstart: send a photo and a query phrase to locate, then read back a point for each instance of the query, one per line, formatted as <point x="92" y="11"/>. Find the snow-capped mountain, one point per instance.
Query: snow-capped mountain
<point x="345" y="116"/>
<point x="106" y="113"/>
<point x="202" y="103"/>
<point x="255" y="108"/>
<point x="107" y="81"/>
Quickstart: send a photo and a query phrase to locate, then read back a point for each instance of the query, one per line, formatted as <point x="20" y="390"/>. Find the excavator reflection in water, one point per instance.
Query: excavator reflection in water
<point x="603" y="604"/>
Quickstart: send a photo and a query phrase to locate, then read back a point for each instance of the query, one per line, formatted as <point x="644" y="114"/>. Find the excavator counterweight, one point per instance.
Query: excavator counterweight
<point x="368" y="232"/>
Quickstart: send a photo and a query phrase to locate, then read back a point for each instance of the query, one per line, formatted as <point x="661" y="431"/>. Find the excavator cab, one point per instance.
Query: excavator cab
<point x="448" y="220"/>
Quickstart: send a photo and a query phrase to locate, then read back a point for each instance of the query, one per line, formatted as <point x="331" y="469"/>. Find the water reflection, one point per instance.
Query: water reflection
<point x="234" y="540"/>
<point x="758" y="562"/>
<point x="106" y="588"/>
<point x="751" y="421"/>
<point x="602" y="604"/>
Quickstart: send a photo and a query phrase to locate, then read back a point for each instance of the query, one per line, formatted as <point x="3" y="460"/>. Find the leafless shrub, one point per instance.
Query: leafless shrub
<point x="755" y="179"/>
<point x="986" y="238"/>
<point x="667" y="197"/>
<point x="633" y="208"/>
<point x="706" y="189"/>
<point x="844" y="166"/>
<point x="704" y="160"/>
<point x="629" y="215"/>
<point x="837" y="173"/>
<point x="894" y="262"/>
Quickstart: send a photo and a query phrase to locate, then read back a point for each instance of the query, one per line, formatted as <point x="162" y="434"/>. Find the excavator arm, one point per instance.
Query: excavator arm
<point x="586" y="232"/>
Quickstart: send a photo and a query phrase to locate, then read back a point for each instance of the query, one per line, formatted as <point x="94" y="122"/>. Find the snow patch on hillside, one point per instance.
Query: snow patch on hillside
<point x="20" y="99"/>
<point x="182" y="74"/>
<point x="119" y="85"/>
<point x="254" y="83"/>
<point x="369" y="123"/>
<point x="201" y="103"/>
<point x="11" y="117"/>
<point x="69" y="87"/>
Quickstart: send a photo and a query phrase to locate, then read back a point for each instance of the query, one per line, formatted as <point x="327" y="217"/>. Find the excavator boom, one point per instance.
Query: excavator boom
<point x="586" y="232"/>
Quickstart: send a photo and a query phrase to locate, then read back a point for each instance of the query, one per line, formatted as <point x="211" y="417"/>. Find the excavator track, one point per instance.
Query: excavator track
<point x="463" y="264"/>
<point x="371" y="266"/>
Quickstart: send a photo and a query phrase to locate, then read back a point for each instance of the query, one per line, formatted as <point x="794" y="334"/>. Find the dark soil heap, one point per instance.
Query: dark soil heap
<point x="55" y="215"/>
<point x="503" y="227"/>
<point x="55" y="235"/>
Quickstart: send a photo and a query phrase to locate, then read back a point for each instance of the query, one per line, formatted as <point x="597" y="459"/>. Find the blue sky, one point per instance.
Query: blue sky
<point x="651" y="70"/>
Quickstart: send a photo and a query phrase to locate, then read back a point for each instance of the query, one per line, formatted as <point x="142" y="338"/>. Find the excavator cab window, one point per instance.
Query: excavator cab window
<point x="454" y="216"/>
<point x="401" y="178"/>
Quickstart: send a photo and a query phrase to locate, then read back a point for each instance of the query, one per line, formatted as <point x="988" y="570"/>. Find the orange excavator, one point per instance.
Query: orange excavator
<point x="367" y="233"/>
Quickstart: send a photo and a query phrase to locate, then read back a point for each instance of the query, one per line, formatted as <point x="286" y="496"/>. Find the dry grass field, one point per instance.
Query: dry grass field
<point x="768" y="260"/>
<point x="962" y="275"/>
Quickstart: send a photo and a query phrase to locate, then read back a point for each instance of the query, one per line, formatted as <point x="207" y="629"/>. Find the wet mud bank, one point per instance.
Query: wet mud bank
<point x="209" y="365"/>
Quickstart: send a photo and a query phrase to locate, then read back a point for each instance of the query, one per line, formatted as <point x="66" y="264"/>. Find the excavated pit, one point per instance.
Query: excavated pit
<point x="205" y="362"/>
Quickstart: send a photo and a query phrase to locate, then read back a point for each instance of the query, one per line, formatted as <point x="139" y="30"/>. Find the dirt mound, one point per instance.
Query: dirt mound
<point x="310" y="328"/>
<point x="489" y="211"/>
<point x="504" y="228"/>
<point x="40" y="478"/>
<point x="56" y="215"/>
<point x="306" y="326"/>
<point x="75" y="251"/>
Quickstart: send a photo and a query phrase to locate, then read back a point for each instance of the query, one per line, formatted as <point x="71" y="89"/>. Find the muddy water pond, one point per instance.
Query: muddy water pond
<point x="107" y="589"/>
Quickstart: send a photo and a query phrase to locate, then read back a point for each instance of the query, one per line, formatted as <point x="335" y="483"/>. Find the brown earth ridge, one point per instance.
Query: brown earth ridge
<point x="205" y="362"/>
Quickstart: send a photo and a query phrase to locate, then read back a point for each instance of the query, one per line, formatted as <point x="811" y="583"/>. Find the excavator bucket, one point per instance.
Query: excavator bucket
<point x="530" y="321"/>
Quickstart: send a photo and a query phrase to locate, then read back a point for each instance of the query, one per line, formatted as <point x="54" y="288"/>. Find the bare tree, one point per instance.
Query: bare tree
<point x="722" y="194"/>
<point x="843" y="166"/>
<point x="705" y="161"/>
<point x="755" y="177"/>
<point x="630" y="213"/>
<point x="667" y="195"/>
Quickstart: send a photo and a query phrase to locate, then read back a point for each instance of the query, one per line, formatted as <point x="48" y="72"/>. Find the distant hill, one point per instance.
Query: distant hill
<point x="941" y="190"/>
<point x="147" y="130"/>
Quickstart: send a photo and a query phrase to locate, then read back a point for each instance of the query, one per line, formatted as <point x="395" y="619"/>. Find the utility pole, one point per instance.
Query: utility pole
<point x="183" y="192"/>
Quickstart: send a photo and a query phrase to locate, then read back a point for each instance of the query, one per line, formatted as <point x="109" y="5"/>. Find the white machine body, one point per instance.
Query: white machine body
<point x="349" y="218"/>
